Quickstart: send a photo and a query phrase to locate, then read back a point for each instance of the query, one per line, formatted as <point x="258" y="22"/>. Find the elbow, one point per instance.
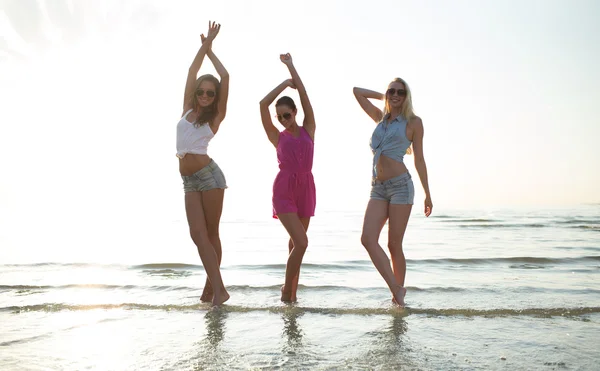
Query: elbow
<point x="355" y="91"/>
<point x="224" y="75"/>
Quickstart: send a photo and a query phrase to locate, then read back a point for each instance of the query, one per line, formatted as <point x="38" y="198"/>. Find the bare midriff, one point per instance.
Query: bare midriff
<point x="191" y="163"/>
<point x="388" y="168"/>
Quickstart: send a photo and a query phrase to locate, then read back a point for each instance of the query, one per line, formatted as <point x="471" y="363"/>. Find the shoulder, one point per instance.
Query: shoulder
<point x="415" y="123"/>
<point x="186" y="111"/>
<point x="415" y="120"/>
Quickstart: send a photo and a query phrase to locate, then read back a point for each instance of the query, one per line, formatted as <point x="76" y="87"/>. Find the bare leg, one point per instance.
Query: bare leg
<point x="297" y="233"/>
<point x="399" y="215"/>
<point x="305" y="223"/>
<point x="195" y="214"/>
<point x="375" y="217"/>
<point x="213" y="207"/>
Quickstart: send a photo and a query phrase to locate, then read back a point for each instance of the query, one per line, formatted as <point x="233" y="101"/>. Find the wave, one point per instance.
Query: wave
<point x="469" y="220"/>
<point x="343" y="265"/>
<point x="166" y="266"/>
<point x="294" y="309"/>
<point x="319" y="288"/>
<point x="487" y="223"/>
<point x="88" y="286"/>
<point x="178" y="268"/>
<point x="57" y="264"/>
<point x="595" y="228"/>
<point x="580" y="221"/>
<point x="515" y="259"/>
<point x="504" y="225"/>
<point x="366" y="264"/>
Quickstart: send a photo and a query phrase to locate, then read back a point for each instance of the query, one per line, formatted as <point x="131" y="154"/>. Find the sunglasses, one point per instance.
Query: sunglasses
<point x="209" y="93"/>
<point x="400" y="92"/>
<point x="286" y="116"/>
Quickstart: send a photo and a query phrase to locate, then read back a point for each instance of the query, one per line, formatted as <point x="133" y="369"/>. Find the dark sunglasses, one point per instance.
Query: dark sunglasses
<point x="286" y="116"/>
<point x="392" y="91"/>
<point x="209" y="93"/>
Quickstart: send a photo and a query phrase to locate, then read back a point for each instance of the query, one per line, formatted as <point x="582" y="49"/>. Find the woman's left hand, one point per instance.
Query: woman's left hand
<point x="428" y="206"/>
<point x="213" y="31"/>
<point x="286" y="59"/>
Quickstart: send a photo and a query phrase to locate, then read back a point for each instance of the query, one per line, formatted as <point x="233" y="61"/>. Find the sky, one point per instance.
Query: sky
<point x="92" y="91"/>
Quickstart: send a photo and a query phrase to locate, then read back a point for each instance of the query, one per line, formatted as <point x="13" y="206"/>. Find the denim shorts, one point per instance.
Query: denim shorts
<point x="397" y="191"/>
<point x="205" y="179"/>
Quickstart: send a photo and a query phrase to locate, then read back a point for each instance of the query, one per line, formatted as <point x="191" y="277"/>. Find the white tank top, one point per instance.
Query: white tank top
<point x="192" y="139"/>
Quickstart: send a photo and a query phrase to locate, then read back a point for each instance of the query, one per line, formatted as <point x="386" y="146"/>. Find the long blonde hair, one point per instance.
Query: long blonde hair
<point x="407" y="108"/>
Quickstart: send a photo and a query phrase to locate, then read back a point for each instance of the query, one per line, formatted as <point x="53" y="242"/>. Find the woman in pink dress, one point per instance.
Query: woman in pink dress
<point x="294" y="196"/>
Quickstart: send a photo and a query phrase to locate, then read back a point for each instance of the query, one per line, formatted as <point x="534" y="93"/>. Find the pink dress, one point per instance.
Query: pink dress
<point x="294" y="187"/>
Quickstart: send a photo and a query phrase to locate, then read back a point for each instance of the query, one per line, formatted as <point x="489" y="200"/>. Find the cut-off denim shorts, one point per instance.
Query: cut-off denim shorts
<point x="205" y="179"/>
<point x="397" y="190"/>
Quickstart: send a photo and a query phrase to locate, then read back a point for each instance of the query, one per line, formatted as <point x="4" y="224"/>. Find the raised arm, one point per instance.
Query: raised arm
<point x="363" y="96"/>
<point x="190" y="85"/>
<point x="265" y="115"/>
<point x="420" y="165"/>
<point x="224" y="91"/>
<point x="309" y="116"/>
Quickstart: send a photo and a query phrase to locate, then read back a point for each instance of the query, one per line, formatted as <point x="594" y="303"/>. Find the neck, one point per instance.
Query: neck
<point x="294" y="128"/>
<point x="395" y="112"/>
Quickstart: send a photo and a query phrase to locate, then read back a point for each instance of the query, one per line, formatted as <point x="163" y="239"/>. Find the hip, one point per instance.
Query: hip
<point x="192" y="163"/>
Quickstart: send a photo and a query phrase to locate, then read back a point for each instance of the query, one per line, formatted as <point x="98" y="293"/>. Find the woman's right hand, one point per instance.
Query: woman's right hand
<point x="290" y="83"/>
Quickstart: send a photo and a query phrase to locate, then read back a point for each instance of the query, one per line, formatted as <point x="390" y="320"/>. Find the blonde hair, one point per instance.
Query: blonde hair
<point x="407" y="108"/>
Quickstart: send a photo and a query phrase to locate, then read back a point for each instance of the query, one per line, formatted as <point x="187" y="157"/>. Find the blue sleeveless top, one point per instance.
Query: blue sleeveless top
<point x="389" y="139"/>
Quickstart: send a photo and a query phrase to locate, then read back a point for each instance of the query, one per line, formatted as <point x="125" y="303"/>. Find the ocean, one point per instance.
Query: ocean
<point x="494" y="289"/>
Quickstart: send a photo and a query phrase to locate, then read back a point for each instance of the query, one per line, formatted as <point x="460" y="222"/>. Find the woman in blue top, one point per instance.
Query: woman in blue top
<point x="392" y="191"/>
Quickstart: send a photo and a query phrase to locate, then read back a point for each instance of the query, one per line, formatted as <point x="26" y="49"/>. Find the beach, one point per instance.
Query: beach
<point x="487" y="289"/>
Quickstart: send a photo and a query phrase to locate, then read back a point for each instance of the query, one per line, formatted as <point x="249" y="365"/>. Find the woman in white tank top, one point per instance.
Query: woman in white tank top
<point x="204" y="107"/>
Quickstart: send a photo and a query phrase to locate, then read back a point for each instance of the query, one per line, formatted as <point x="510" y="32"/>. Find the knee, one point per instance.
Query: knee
<point x="367" y="241"/>
<point x="301" y="244"/>
<point x="395" y="247"/>
<point x="199" y="237"/>
<point x="214" y="235"/>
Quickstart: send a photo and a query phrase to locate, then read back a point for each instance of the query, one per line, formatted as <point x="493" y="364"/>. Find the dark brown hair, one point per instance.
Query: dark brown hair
<point x="286" y="101"/>
<point x="208" y="113"/>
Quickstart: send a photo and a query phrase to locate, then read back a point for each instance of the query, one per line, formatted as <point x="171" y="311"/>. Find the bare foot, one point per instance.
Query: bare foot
<point x="398" y="298"/>
<point x="220" y="299"/>
<point x="207" y="295"/>
<point x="286" y="296"/>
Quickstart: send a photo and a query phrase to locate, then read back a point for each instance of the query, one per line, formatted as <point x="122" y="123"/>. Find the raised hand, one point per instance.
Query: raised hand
<point x="213" y="31"/>
<point x="290" y="83"/>
<point x="286" y="59"/>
